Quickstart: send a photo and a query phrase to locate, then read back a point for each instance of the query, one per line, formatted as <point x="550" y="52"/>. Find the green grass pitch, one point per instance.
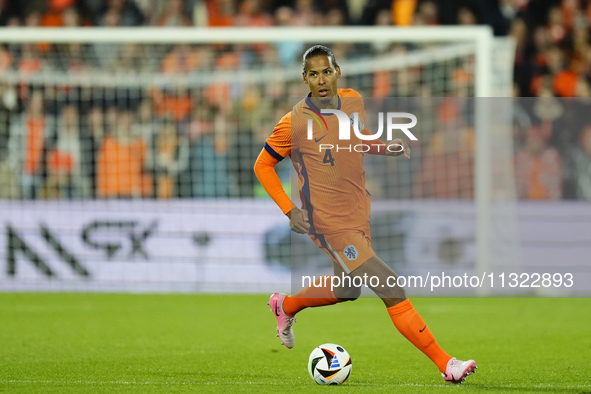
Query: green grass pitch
<point x="120" y="343"/>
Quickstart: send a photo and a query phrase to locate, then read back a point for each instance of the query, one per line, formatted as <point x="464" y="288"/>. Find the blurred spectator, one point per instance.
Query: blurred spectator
<point x="147" y="126"/>
<point x="462" y="81"/>
<point x="538" y="169"/>
<point x="524" y="66"/>
<point x="147" y="123"/>
<point x="175" y="15"/>
<point x="33" y="18"/>
<point x="175" y="103"/>
<point x="181" y="60"/>
<point x="55" y="15"/>
<point x="8" y="102"/>
<point x="30" y="60"/>
<point x="427" y="14"/>
<point x="105" y="54"/>
<point x="71" y="18"/>
<point x="288" y="51"/>
<point x="335" y="17"/>
<point x="8" y="179"/>
<point x="521" y="122"/>
<point x="14" y="49"/>
<point x="569" y="9"/>
<point x="120" y="13"/>
<point x="221" y="12"/>
<point x="519" y="33"/>
<point x="121" y="160"/>
<point x="111" y="115"/>
<point x="152" y="10"/>
<point x="383" y="18"/>
<point x="200" y="123"/>
<point x="72" y="58"/>
<point x="68" y="162"/>
<point x="466" y="17"/>
<point x="305" y="15"/>
<point x="28" y="135"/>
<point x="95" y="133"/>
<point x="170" y="159"/>
<point x="548" y="112"/>
<point x="217" y="94"/>
<point x="402" y="13"/>
<point x="553" y="58"/>
<point x="566" y="81"/>
<point x="133" y="58"/>
<point x="579" y="165"/>
<point x="372" y="8"/>
<point x="251" y="14"/>
<point x="211" y="176"/>
<point x="556" y="28"/>
<point x="251" y="109"/>
<point x="447" y="171"/>
<point x="501" y="15"/>
<point x="250" y="112"/>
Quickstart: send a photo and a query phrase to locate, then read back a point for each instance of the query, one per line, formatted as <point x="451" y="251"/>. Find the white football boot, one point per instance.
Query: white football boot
<point x="457" y="370"/>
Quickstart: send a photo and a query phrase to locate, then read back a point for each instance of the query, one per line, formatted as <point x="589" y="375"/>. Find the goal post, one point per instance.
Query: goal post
<point x="491" y="72"/>
<point x="479" y="36"/>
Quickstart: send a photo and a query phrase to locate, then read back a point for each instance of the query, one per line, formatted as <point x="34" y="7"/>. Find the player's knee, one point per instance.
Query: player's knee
<point x="395" y="293"/>
<point x="347" y="293"/>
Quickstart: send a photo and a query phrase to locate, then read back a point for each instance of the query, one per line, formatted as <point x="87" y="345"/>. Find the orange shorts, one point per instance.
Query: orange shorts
<point x="349" y="248"/>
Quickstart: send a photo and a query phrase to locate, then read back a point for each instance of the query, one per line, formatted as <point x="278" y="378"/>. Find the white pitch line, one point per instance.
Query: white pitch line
<point x="103" y="382"/>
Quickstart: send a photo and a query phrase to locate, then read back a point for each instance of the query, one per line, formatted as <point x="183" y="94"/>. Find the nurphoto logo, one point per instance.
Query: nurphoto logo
<point x="346" y="123"/>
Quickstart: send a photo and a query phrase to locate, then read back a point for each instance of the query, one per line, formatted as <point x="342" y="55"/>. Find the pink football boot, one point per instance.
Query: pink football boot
<point x="284" y="322"/>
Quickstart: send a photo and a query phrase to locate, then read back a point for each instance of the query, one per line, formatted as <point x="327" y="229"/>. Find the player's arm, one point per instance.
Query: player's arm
<point x="264" y="169"/>
<point x="401" y="147"/>
<point x="277" y="147"/>
<point x="377" y="147"/>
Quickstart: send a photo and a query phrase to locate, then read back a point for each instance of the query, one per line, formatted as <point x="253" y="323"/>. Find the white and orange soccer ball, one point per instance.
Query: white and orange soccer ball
<point x="329" y="364"/>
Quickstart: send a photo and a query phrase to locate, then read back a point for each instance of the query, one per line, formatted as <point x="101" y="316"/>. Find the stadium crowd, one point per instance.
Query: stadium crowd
<point x="62" y="141"/>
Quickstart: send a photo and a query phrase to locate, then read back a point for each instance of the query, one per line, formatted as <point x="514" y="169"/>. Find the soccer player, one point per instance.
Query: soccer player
<point x="336" y="208"/>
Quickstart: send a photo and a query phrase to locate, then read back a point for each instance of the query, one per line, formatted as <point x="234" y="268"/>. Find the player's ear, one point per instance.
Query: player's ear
<point x="305" y="77"/>
<point x="338" y="71"/>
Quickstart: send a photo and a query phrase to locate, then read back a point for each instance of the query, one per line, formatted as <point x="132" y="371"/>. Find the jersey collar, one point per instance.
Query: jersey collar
<point x="313" y="107"/>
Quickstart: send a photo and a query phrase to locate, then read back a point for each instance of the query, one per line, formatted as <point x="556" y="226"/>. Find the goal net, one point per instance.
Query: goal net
<point x="127" y="154"/>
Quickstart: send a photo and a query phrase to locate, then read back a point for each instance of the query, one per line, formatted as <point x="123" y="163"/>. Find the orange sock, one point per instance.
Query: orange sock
<point x="316" y="294"/>
<point x="412" y="326"/>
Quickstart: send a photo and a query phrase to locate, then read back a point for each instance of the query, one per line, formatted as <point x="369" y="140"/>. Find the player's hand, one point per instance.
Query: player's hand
<point x="405" y="148"/>
<point x="298" y="220"/>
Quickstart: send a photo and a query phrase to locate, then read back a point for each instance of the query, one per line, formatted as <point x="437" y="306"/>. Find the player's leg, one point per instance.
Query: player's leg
<point x="344" y="289"/>
<point x="409" y="322"/>
<point x="326" y="290"/>
<point x="386" y="289"/>
<point x="319" y="293"/>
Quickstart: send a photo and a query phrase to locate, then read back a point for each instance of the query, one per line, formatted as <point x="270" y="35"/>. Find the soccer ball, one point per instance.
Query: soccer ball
<point x="329" y="364"/>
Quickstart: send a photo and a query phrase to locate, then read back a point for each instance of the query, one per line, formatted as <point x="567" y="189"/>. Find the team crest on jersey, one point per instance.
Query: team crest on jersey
<point x="352" y="120"/>
<point x="351" y="253"/>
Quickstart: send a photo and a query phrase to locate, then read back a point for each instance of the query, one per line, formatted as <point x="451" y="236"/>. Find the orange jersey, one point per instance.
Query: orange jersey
<point x="331" y="181"/>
